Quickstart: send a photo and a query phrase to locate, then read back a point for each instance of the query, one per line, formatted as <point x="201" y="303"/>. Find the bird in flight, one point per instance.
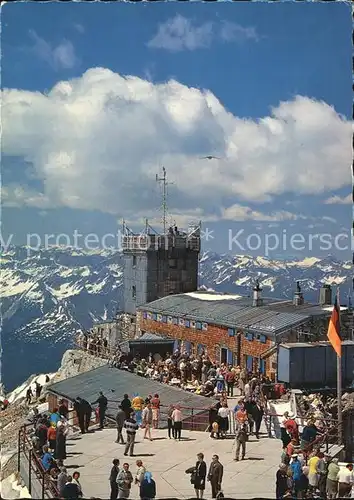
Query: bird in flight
<point x="210" y="157"/>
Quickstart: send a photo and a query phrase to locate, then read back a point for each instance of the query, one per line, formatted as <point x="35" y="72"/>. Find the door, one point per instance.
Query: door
<point x="262" y="365"/>
<point x="230" y="357"/>
<point x="200" y="349"/>
<point x="223" y="355"/>
<point x="176" y="345"/>
<point x="187" y="347"/>
<point x="249" y="364"/>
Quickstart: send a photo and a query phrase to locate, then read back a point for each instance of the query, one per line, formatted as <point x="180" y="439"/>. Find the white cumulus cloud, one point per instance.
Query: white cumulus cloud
<point x="338" y="200"/>
<point x="97" y="142"/>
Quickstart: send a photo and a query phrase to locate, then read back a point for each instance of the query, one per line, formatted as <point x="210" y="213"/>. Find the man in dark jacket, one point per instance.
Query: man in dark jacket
<point x="120" y="419"/>
<point x="71" y="490"/>
<point x="126" y="405"/>
<point x="83" y="411"/>
<point x="113" y="479"/>
<point x="102" y="402"/>
<point x="215" y="475"/>
<point x="63" y="409"/>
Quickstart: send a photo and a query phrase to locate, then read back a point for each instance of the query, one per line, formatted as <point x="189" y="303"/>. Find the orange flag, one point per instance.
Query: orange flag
<point x="333" y="333"/>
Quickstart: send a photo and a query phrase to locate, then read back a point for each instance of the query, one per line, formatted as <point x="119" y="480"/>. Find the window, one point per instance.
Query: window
<point x="200" y="349"/>
<point x="133" y="291"/>
<point x="249" y="336"/>
<point x="159" y="317"/>
<point x="263" y="339"/>
<point x="134" y="260"/>
<point x="204" y="326"/>
<point x="231" y="332"/>
<point x="154" y="316"/>
<point x="192" y="323"/>
<point x="181" y="322"/>
<point x="169" y="319"/>
<point x="149" y="316"/>
<point x="198" y="325"/>
<point x="187" y="323"/>
<point x="145" y="315"/>
<point x="262" y="365"/>
<point x="164" y="319"/>
<point x="175" y="321"/>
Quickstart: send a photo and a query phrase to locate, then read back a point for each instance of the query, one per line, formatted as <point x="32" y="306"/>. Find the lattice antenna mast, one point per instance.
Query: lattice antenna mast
<point x="163" y="181"/>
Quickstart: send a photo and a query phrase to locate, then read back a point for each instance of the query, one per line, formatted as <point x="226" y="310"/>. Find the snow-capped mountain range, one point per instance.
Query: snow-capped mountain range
<point x="47" y="295"/>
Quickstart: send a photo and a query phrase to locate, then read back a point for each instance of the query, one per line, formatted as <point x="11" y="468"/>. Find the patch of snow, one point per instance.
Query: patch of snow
<point x="213" y="296"/>
<point x="12" y="284"/>
<point x="65" y="290"/>
<point x="334" y="280"/>
<point x="307" y="262"/>
<point x="20" y="391"/>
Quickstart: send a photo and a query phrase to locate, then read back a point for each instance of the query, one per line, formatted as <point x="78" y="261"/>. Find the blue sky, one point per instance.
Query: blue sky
<point x="266" y="88"/>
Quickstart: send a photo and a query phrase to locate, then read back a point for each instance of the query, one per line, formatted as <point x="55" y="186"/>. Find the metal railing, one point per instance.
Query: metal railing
<point x="327" y="439"/>
<point x="35" y="468"/>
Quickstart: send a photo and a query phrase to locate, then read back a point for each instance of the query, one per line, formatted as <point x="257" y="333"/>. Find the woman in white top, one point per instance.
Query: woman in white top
<point x="223" y="417"/>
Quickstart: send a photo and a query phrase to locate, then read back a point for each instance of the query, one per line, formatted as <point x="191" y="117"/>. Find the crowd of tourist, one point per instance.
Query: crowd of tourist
<point x="305" y="471"/>
<point x="48" y="435"/>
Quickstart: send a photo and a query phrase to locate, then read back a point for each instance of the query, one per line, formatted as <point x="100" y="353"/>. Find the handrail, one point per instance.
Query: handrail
<point x="35" y="464"/>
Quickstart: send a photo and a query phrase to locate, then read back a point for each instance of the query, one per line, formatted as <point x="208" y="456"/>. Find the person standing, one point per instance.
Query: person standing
<point x="76" y="480"/>
<point x="131" y="427"/>
<point x="147" y="487"/>
<point x="332" y="479"/>
<point x="345" y="481"/>
<point x="296" y="470"/>
<point x="52" y="437"/>
<point x="215" y="475"/>
<point x="230" y="382"/>
<point x="71" y="490"/>
<point x="80" y="414"/>
<point x="113" y="479"/>
<point x="200" y="476"/>
<point x="124" y="480"/>
<point x="258" y="413"/>
<point x="281" y="487"/>
<point x="29" y="395"/>
<point x="177" y="422"/>
<point x="62" y="479"/>
<point x="313" y="472"/>
<point x="147" y="420"/>
<point x="102" y="402"/>
<point x="137" y="406"/>
<point x="120" y="419"/>
<point x="170" y="423"/>
<point x="241" y="439"/>
<point x="140" y="471"/>
<point x="60" y="445"/>
<point x="223" y="414"/>
<point x="126" y="405"/>
<point x="155" y="405"/>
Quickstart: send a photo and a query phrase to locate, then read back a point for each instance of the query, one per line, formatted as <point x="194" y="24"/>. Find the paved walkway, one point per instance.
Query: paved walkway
<point x="167" y="460"/>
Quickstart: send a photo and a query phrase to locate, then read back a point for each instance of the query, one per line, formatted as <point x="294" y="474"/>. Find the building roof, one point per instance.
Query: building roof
<point x="150" y="338"/>
<point x="234" y="311"/>
<point x="114" y="383"/>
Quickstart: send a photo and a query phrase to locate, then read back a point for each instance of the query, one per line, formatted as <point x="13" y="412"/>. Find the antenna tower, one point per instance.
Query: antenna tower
<point x="163" y="180"/>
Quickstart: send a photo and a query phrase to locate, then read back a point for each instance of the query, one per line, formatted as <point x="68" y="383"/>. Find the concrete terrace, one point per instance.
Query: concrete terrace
<point x="167" y="460"/>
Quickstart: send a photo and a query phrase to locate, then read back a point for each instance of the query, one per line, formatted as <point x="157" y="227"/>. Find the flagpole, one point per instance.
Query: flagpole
<point x="339" y="387"/>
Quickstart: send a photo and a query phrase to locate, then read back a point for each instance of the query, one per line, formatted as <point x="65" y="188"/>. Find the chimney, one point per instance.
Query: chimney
<point x="326" y="295"/>
<point x="298" y="297"/>
<point x="257" y="299"/>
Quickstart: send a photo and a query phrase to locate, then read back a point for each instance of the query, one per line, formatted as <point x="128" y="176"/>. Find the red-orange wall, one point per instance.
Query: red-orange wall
<point x="213" y="338"/>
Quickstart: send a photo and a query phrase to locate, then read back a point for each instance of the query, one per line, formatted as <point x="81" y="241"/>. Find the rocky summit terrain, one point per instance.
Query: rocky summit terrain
<point x="49" y="294"/>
